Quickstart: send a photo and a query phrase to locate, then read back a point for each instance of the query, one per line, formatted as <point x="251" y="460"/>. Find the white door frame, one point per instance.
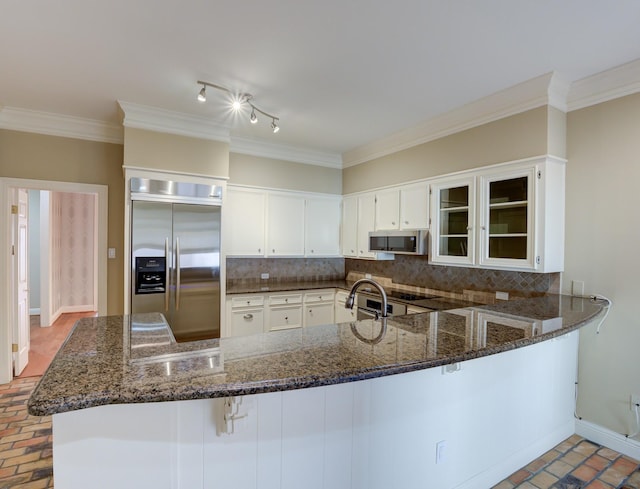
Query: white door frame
<point x="7" y="308"/>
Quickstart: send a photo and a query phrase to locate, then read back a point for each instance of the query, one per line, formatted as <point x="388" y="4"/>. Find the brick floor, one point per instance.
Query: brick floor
<point x="25" y="441"/>
<point x="577" y="463"/>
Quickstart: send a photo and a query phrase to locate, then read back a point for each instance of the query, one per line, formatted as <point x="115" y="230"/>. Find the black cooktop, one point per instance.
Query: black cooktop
<point x="408" y="296"/>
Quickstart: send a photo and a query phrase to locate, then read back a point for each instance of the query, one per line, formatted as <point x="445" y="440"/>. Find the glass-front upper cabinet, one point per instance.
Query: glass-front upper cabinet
<point x="507" y="203"/>
<point x="453" y="204"/>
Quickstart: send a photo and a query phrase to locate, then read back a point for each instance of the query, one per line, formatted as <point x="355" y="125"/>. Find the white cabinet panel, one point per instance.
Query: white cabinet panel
<point x="350" y="226"/>
<point x="414" y="206"/>
<point x="247" y="321"/>
<point x="285" y="317"/>
<point x="320" y="313"/>
<point x="244" y="216"/>
<point x="366" y="223"/>
<point x="322" y="227"/>
<point x="285" y="225"/>
<point x="387" y="210"/>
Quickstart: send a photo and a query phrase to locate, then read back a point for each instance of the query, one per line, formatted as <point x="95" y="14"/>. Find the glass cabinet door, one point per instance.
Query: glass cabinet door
<point x="453" y="231"/>
<point x="508" y="216"/>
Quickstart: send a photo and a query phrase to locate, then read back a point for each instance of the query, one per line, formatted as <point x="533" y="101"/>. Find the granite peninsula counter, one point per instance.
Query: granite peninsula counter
<point x="123" y="359"/>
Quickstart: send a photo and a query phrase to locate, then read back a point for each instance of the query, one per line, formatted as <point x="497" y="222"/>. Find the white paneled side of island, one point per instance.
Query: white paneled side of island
<point x="492" y="415"/>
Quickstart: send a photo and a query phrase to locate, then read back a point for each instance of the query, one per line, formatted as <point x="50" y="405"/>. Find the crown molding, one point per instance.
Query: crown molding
<point x="161" y="120"/>
<point x="604" y="86"/>
<point x="285" y="152"/>
<point x="547" y="89"/>
<point x="26" y="120"/>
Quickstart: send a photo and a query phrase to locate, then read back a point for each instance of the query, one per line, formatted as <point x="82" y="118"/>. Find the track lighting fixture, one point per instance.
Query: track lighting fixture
<point x="239" y="99"/>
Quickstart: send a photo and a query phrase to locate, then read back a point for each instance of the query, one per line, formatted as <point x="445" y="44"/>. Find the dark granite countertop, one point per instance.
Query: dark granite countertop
<point x="133" y="359"/>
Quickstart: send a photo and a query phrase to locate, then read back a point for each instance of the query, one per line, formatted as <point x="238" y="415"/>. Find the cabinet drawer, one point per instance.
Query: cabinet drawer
<point x="341" y="296"/>
<point x="318" y="313"/>
<point x="319" y="296"/>
<point x="247" y="321"/>
<point x="247" y="301"/>
<point x="285" y="317"/>
<point x="284" y="299"/>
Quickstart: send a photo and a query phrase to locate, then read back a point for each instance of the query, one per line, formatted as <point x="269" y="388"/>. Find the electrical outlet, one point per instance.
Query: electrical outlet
<point x="634" y="401"/>
<point x="264" y="276"/>
<point x="367" y="275"/>
<point x="502" y="296"/>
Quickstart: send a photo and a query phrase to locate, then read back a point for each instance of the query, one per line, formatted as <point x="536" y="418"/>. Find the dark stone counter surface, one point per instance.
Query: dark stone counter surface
<point x="134" y="359"/>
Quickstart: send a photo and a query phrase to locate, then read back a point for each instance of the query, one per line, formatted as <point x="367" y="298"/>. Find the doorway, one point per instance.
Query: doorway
<point x="8" y="310"/>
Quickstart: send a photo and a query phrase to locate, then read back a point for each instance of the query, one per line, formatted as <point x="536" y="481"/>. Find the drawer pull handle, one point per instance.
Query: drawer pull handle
<point x="248" y="317"/>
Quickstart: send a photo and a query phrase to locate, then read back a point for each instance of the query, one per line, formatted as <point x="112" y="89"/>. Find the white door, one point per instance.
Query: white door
<point x="21" y="336"/>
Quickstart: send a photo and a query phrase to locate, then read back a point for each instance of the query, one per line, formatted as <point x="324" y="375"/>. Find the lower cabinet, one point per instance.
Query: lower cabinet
<point x="245" y="315"/>
<point x="341" y="313"/>
<point x="318" y="307"/>
<point x="285" y="312"/>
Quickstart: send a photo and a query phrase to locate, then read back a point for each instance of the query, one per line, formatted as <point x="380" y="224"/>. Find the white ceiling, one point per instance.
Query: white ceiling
<point x="338" y="73"/>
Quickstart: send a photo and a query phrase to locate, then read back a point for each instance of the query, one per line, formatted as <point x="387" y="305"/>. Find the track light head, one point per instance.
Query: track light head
<point x="238" y="99"/>
<point x="202" y="95"/>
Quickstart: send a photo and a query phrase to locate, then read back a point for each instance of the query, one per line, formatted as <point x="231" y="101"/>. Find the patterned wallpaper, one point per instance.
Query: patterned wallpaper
<point x="73" y="242"/>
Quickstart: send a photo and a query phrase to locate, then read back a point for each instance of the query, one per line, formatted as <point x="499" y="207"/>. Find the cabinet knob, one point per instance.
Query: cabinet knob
<point x="248" y="317"/>
<point x="353" y="251"/>
<point x="286" y="300"/>
<point x="273" y="250"/>
<point x="248" y="302"/>
<point x="406" y="222"/>
<point x="311" y="251"/>
<point x="469" y="228"/>
<point x="286" y="318"/>
<point x="483" y="228"/>
<point x="259" y="250"/>
<point x="393" y="223"/>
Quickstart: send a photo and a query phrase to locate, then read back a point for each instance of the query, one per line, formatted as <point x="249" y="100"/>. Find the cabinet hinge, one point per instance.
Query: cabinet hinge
<point x="14" y="347"/>
<point x="539" y="174"/>
<point x="538" y="260"/>
<point x="13" y="250"/>
<point x="14" y="209"/>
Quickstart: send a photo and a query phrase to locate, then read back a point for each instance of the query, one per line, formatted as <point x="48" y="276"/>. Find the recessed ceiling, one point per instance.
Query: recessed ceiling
<point x="339" y="74"/>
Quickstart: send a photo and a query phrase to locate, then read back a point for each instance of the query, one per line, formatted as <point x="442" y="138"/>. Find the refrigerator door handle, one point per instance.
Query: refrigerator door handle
<point x="166" y="274"/>
<point x="177" y="273"/>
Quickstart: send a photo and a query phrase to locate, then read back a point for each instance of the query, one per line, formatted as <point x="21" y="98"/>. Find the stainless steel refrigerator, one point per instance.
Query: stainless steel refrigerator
<point x="175" y="255"/>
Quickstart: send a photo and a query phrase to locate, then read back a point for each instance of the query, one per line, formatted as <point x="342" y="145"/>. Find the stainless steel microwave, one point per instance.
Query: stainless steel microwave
<point x="404" y="242"/>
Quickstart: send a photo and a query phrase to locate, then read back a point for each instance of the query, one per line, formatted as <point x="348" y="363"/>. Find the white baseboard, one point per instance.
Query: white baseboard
<point x="519" y="459"/>
<point x="35" y="311"/>
<point x="608" y="438"/>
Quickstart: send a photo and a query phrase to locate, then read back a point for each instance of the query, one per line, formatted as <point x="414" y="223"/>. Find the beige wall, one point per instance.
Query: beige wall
<point x="39" y="157"/>
<point x="270" y="173"/>
<point x="170" y="152"/>
<point x="512" y="138"/>
<point x="602" y="238"/>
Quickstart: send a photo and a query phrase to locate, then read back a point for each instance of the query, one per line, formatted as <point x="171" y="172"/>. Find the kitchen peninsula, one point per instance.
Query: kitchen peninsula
<point x="317" y="406"/>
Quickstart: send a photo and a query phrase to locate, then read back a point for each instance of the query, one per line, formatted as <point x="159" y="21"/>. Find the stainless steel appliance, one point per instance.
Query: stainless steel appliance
<point x="370" y="307"/>
<point x="400" y="242"/>
<point x="175" y="255"/>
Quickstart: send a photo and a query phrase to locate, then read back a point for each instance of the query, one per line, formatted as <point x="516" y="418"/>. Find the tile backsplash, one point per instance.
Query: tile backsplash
<point x="415" y="270"/>
<point x="405" y="270"/>
<point x="248" y="270"/>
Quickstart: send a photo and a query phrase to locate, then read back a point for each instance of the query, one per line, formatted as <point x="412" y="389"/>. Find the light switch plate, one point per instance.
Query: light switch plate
<point x="111" y="253"/>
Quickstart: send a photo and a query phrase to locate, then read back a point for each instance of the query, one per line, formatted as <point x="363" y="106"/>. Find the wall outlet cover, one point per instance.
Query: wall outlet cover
<point x="264" y="276"/>
<point x="502" y="296"/>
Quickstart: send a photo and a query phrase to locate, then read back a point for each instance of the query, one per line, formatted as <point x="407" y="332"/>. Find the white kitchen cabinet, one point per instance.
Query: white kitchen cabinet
<point x="285" y="312"/>
<point x="366" y="222"/>
<point x="245" y="315"/>
<point x="244" y="217"/>
<point x="454" y="213"/>
<point x="350" y="226"/>
<point x="322" y="226"/>
<point x="341" y="313"/>
<point x="414" y="206"/>
<point x="319" y="307"/>
<point x="515" y="220"/>
<point x="387" y="210"/>
<point x="285" y="225"/>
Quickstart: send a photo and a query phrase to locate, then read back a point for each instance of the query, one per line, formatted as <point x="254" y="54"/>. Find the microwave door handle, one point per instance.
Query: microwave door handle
<point x="166" y="274"/>
<point x="177" y="273"/>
